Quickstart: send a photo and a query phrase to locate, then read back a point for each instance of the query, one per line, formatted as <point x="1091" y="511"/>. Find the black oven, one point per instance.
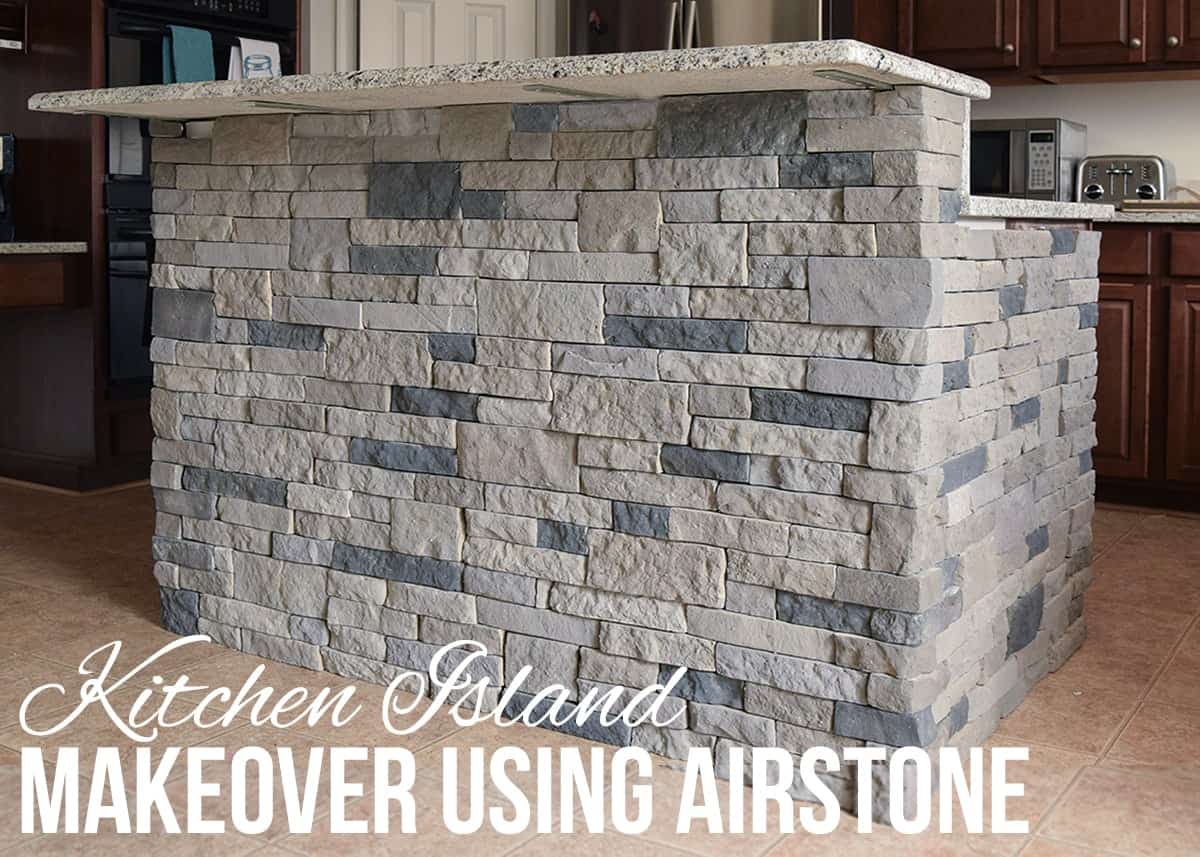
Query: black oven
<point x="135" y="33"/>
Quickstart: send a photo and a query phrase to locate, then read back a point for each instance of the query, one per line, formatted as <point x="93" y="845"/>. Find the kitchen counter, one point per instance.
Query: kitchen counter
<point x="48" y="247"/>
<point x="1034" y="209"/>
<point x="653" y="74"/>
<point x="713" y="380"/>
<point x="1183" y="217"/>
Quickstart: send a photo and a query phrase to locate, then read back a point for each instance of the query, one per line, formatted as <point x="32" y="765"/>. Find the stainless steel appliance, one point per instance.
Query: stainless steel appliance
<point x="1026" y="158"/>
<point x="606" y="26"/>
<point x="1112" y="179"/>
<point x="135" y="31"/>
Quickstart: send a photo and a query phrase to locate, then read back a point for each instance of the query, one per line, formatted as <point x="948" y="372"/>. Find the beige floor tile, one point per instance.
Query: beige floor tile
<point x="111" y="844"/>
<point x="1067" y="713"/>
<point x="20" y="676"/>
<point x="1110" y="524"/>
<point x="607" y="845"/>
<point x="1040" y="846"/>
<point x="1179" y="683"/>
<point x="881" y="840"/>
<point x="1166" y="736"/>
<point x="1130" y="813"/>
<point x="1045" y="776"/>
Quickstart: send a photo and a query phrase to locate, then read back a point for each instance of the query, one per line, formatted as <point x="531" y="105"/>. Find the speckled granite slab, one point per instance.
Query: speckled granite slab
<point x="1186" y="217"/>
<point x="1034" y="209"/>
<point x="17" y="248"/>
<point x="836" y="64"/>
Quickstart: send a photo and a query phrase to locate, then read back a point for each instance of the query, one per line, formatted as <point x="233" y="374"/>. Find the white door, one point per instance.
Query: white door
<point x="394" y="33"/>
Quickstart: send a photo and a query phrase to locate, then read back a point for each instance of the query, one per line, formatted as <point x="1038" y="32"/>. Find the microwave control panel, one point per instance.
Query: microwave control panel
<point x="1042" y="161"/>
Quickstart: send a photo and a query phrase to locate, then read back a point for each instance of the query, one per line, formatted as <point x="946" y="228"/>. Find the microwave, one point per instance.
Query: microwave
<point x="1026" y="158"/>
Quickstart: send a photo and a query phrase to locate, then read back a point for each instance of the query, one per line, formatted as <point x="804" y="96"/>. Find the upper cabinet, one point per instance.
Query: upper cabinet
<point x="1182" y="41"/>
<point x="938" y="31"/>
<point x="1091" y="32"/>
<point x="1013" y="40"/>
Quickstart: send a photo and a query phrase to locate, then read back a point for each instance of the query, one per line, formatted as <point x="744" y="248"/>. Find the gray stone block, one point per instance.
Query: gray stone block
<point x="418" y="191"/>
<point x="500" y="585"/>
<point x="1038" y="541"/>
<point x="619" y="733"/>
<point x="319" y="245"/>
<point x="884" y="727"/>
<point x="484" y="204"/>
<point x="256" y="489"/>
<point x="1025" y="618"/>
<point x="535" y="117"/>
<point x="302" y="550"/>
<point x="188" y="554"/>
<point x="413" y="655"/>
<point x="1023" y="413"/>
<point x="958" y="716"/>
<point x="410" y="261"/>
<point x="560" y="536"/>
<point x="309" y="630"/>
<point x="184" y="314"/>
<point x="705" y="463"/>
<point x="639" y="519"/>
<point x="810" y="409"/>
<point x="453" y="347"/>
<point x="683" y="334"/>
<point x="435" y="403"/>
<point x="827" y="169"/>
<point x="705" y="687"/>
<point x="408" y="457"/>
<point x="955" y="376"/>
<point x="189" y="504"/>
<point x="823" y="613"/>
<point x="1063" y="241"/>
<point x="277" y="334"/>
<point x="404" y="568"/>
<point x="744" y="123"/>
<point x="180" y="610"/>
<point x="960" y="470"/>
<point x="876" y="292"/>
<point x="1089" y="315"/>
<point x="1012" y="301"/>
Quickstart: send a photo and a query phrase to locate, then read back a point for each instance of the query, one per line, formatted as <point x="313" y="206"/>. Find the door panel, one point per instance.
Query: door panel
<point x="1183" y="31"/>
<point x="1123" y="381"/>
<point x="1091" y="32"/>
<point x="938" y="31"/>
<point x="1125" y="252"/>
<point x="1183" y="385"/>
<point x="401" y="33"/>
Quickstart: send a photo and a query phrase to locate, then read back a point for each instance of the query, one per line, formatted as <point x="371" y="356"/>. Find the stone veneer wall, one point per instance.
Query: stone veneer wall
<point x="615" y="387"/>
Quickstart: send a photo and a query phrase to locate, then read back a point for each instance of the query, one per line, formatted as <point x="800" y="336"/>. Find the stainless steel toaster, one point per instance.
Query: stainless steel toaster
<point x="1113" y="178"/>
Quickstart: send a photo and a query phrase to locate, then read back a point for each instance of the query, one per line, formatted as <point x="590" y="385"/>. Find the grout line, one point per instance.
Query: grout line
<point x="1101" y="852"/>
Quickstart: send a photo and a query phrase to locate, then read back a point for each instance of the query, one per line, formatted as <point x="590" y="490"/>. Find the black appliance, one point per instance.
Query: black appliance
<point x="7" y="152"/>
<point x="135" y="32"/>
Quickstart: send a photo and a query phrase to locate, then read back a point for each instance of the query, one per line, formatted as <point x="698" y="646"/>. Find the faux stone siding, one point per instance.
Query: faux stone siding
<point x="714" y="382"/>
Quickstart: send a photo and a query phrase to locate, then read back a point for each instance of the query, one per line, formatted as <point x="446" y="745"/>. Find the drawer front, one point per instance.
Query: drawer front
<point x="1185" y="254"/>
<point x="1125" y="252"/>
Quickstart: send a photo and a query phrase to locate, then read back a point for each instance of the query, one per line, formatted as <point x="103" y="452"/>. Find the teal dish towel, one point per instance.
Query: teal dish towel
<point x="188" y="56"/>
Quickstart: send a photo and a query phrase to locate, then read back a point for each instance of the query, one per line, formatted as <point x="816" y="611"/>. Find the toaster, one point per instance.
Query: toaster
<point x="1111" y="179"/>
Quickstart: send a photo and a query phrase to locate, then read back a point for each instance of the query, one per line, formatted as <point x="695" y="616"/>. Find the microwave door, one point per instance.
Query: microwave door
<point x="1018" y="148"/>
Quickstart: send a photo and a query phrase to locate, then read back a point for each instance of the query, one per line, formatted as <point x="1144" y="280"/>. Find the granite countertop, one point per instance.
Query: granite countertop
<point x="29" y="248"/>
<point x="836" y="64"/>
<point x="1185" y="216"/>
<point x="1034" y="209"/>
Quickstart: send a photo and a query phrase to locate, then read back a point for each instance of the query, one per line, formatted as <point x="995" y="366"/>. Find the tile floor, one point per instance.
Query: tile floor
<point x="1114" y="735"/>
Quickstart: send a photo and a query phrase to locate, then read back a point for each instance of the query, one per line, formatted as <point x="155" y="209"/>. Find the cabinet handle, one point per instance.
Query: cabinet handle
<point x="1010" y="48"/>
<point x="1135" y="42"/>
<point x="1172" y="41"/>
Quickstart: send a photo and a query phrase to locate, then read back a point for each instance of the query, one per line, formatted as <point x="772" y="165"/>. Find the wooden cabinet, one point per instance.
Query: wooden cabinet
<point x="1092" y="32"/>
<point x="1183" y="385"/>
<point x="1014" y="41"/>
<point x="938" y="31"/>
<point x="1123" y="381"/>
<point x="1148" y="378"/>
<point x="1182" y="24"/>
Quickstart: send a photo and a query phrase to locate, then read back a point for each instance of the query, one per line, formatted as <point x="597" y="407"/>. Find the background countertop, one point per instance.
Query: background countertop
<point x="18" y="248"/>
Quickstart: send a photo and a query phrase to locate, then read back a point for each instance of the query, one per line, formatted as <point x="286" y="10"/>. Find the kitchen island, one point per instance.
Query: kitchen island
<point x="712" y="378"/>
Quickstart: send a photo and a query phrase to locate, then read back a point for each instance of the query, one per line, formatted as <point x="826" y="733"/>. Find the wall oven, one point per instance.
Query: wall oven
<point x="1027" y="158"/>
<point x="134" y="53"/>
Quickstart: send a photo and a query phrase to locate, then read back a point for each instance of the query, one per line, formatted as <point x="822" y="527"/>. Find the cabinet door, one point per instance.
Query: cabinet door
<point x="1183" y="385"/>
<point x="1182" y="38"/>
<point x="395" y="33"/>
<point x="1123" y="381"/>
<point x="974" y="34"/>
<point x="1091" y="32"/>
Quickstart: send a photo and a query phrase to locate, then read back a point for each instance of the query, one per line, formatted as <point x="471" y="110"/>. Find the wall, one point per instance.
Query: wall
<point x="1146" y="118"/>
<point x="617" y="387"/>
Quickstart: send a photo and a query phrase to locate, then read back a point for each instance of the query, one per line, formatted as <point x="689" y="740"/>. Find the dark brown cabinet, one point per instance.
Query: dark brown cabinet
<point x="1015" y="41"/>
<point x="1183" y="387"/>
<point x="1182" y="38"/>
<point x="1092" y="32"/>
<point x="1148" y="378"/>
<point x="1123" y="381"/>
<point x="938" y="31"/>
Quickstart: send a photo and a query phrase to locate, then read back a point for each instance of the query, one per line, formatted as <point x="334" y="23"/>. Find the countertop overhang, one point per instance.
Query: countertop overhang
<point x="825" y="65"/>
